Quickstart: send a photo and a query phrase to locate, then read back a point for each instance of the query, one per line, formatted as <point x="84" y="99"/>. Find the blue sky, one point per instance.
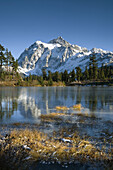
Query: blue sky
<point x="88" y="23"/>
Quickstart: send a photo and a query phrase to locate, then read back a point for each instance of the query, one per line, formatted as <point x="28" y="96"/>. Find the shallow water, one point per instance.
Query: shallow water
<point x="26" y="104"/>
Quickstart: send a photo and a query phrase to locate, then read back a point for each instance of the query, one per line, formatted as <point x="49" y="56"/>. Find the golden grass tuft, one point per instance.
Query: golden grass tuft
<point x="62" y="108"/>
<point x="51" y="117"/>
<point x="77" y="107"/>
<point x="57" y="114"/>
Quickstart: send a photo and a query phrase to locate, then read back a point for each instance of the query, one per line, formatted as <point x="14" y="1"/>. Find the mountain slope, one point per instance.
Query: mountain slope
<point x="59" y="55"/>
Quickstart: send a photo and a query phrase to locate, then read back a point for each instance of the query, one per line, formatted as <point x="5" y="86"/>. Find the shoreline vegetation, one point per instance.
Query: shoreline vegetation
<point x="27" y="145"/>
<point x="13" y="79"/>
<point x="16" y="79"/>
<point x="35" y="83"/>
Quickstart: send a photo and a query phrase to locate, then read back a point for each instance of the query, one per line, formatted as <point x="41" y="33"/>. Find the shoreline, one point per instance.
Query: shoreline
<point x="55" y="84"/>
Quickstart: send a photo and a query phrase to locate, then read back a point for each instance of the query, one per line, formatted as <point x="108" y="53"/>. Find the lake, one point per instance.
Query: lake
<point x="26" y="104"/>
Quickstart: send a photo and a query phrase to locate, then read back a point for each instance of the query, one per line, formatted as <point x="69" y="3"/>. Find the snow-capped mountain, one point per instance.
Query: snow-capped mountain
<point x="59" y="55"/>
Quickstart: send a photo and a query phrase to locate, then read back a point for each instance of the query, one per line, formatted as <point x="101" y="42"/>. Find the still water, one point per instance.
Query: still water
<point x="26" y="104"/>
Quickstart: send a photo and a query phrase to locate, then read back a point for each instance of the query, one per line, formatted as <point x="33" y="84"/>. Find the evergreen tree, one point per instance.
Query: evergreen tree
<point x="93" y="67"/>
<point x="2" y="57"/>
<point x="9" y="60"/>
<point x="78" y="73"/>
<point x="30" y="78"/>
<point x="2" y="75"/>
<point x="65" y="76"/>
<point x="15" y="65"/>
<point x="106" y="71"/>
<point x="102" y="72"/>
<point x="44" y="74"/>
<point x="72" y="75"/>
<point x="109" y="72"/>
<point x="50" y="82"/>
<point x="56" y="76"/>
<point x="49" y="75"/>
<point x="86" y="74"/>
<point x="90" y="72"/>
<point x="1" y="48"/>
<point x="41" y="81"/>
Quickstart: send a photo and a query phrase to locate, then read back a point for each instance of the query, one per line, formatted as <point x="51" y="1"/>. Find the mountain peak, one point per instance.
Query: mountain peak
<point x="59" y="40"/>
<point x="59" y="55"/>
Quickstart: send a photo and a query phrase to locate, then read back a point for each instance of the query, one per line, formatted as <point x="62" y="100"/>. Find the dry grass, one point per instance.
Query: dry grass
<point x="62" y="108"/>
<point x="60" y="83"/>
<point x="39" y="146"/>
<point x="7" y="83"/>
<point x="77" y="107"/>
<point x="51" y="117"/>
<point x="57" y="114"/>
<point x="20" y="124"/>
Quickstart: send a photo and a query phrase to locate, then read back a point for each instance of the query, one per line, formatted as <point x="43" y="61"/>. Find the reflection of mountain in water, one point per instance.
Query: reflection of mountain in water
<point x="30" y="102"/>
<point x="45" y="99"/>
<point x="27" y="105"/>
<point x="34" y="101"/>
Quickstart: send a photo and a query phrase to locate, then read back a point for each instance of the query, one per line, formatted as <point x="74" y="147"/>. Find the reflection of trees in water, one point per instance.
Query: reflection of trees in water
<point x="57" y="94"/>
<point x="79" y="95"/>
<point x="66" y="94"/>
<point x="91" y="97"/>
<point x="72" y="96"/>
<point x="44" y="94"/>
<point x="33" y="100"/>
<point x="8" y="102"/>
<point x="98" y="98"/>
<point x="93" y="103"/>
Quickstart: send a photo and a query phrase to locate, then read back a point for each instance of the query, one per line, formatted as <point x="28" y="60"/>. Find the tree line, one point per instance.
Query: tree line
<point x="52" y="77"/>
<point x="91" y="73"/>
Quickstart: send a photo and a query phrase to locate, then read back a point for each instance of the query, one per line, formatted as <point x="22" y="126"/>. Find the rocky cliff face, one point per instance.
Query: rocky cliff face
<point x="59" y="55"/>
